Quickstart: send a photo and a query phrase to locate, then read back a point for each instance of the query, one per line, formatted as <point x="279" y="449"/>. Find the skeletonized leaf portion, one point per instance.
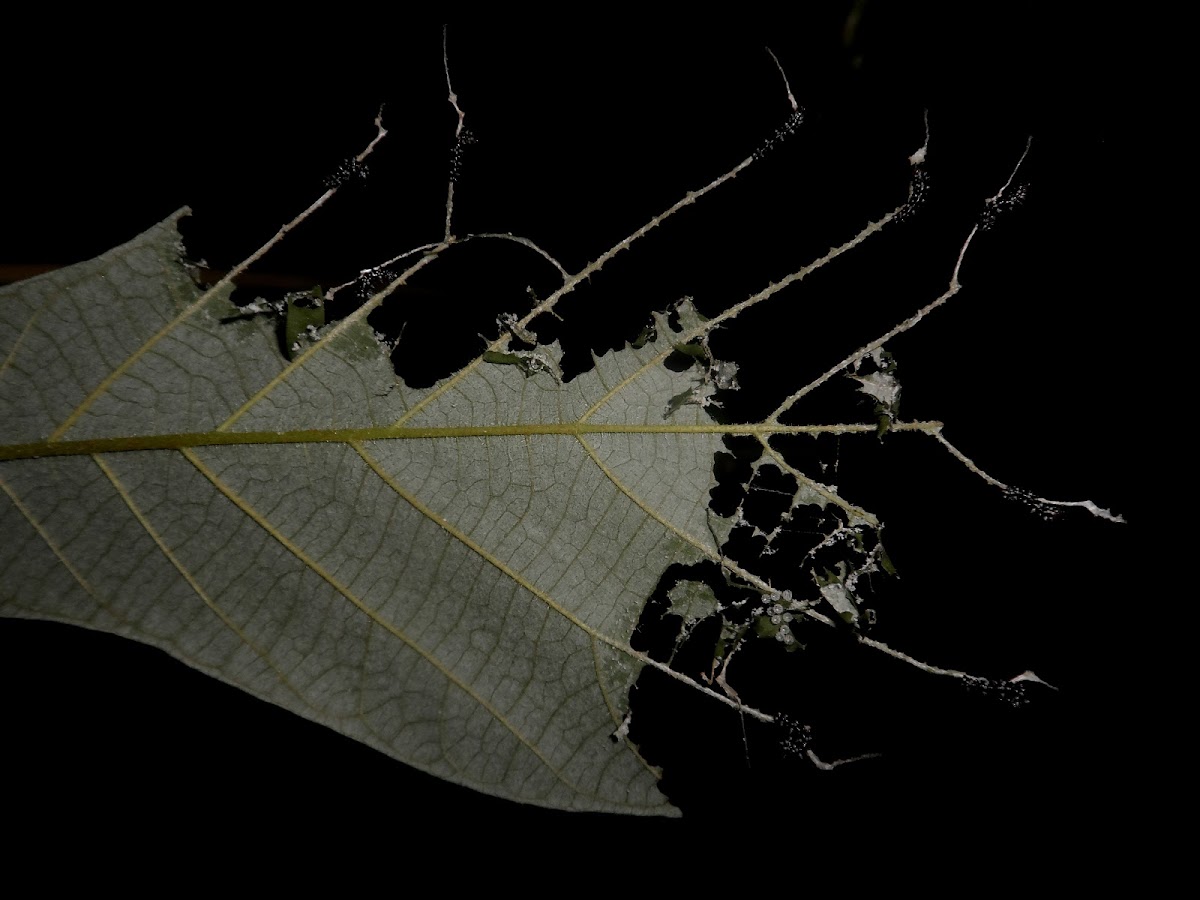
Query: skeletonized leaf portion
<point x="460" y="600"/>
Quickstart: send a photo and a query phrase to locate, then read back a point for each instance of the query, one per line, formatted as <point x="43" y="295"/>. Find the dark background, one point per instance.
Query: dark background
<point x="582" y="136"/>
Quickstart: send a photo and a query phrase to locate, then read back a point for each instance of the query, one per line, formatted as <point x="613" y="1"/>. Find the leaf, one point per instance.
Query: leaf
<point x="459" y="593"/>
<point x="243" y="547"/>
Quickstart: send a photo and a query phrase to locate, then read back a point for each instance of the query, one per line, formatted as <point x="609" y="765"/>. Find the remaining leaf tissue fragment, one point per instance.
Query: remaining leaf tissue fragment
<point x="450" y="575"/>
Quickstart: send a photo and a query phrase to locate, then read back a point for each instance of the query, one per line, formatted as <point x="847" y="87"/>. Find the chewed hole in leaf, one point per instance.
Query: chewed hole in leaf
<point x="684" y="598"/>
<point x="732" y="470"/>
<point x="769" y="496"/>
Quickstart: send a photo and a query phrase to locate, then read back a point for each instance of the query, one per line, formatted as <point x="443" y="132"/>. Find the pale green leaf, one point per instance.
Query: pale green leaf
<point x="452" y="574"/>
<point x="459" y="600"/>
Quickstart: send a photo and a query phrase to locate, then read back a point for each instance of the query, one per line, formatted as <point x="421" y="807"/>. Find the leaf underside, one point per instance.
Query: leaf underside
<point x="462" y="602"/>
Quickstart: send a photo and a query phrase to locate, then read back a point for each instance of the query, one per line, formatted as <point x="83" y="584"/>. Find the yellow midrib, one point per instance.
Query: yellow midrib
<point x="186" y="440"/>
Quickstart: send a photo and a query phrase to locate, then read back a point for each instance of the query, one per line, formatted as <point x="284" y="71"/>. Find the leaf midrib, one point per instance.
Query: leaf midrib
<point x="189" y="440"/>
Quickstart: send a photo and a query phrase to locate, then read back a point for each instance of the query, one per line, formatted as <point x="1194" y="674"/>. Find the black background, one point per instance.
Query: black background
<point x="582" y="136"/>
